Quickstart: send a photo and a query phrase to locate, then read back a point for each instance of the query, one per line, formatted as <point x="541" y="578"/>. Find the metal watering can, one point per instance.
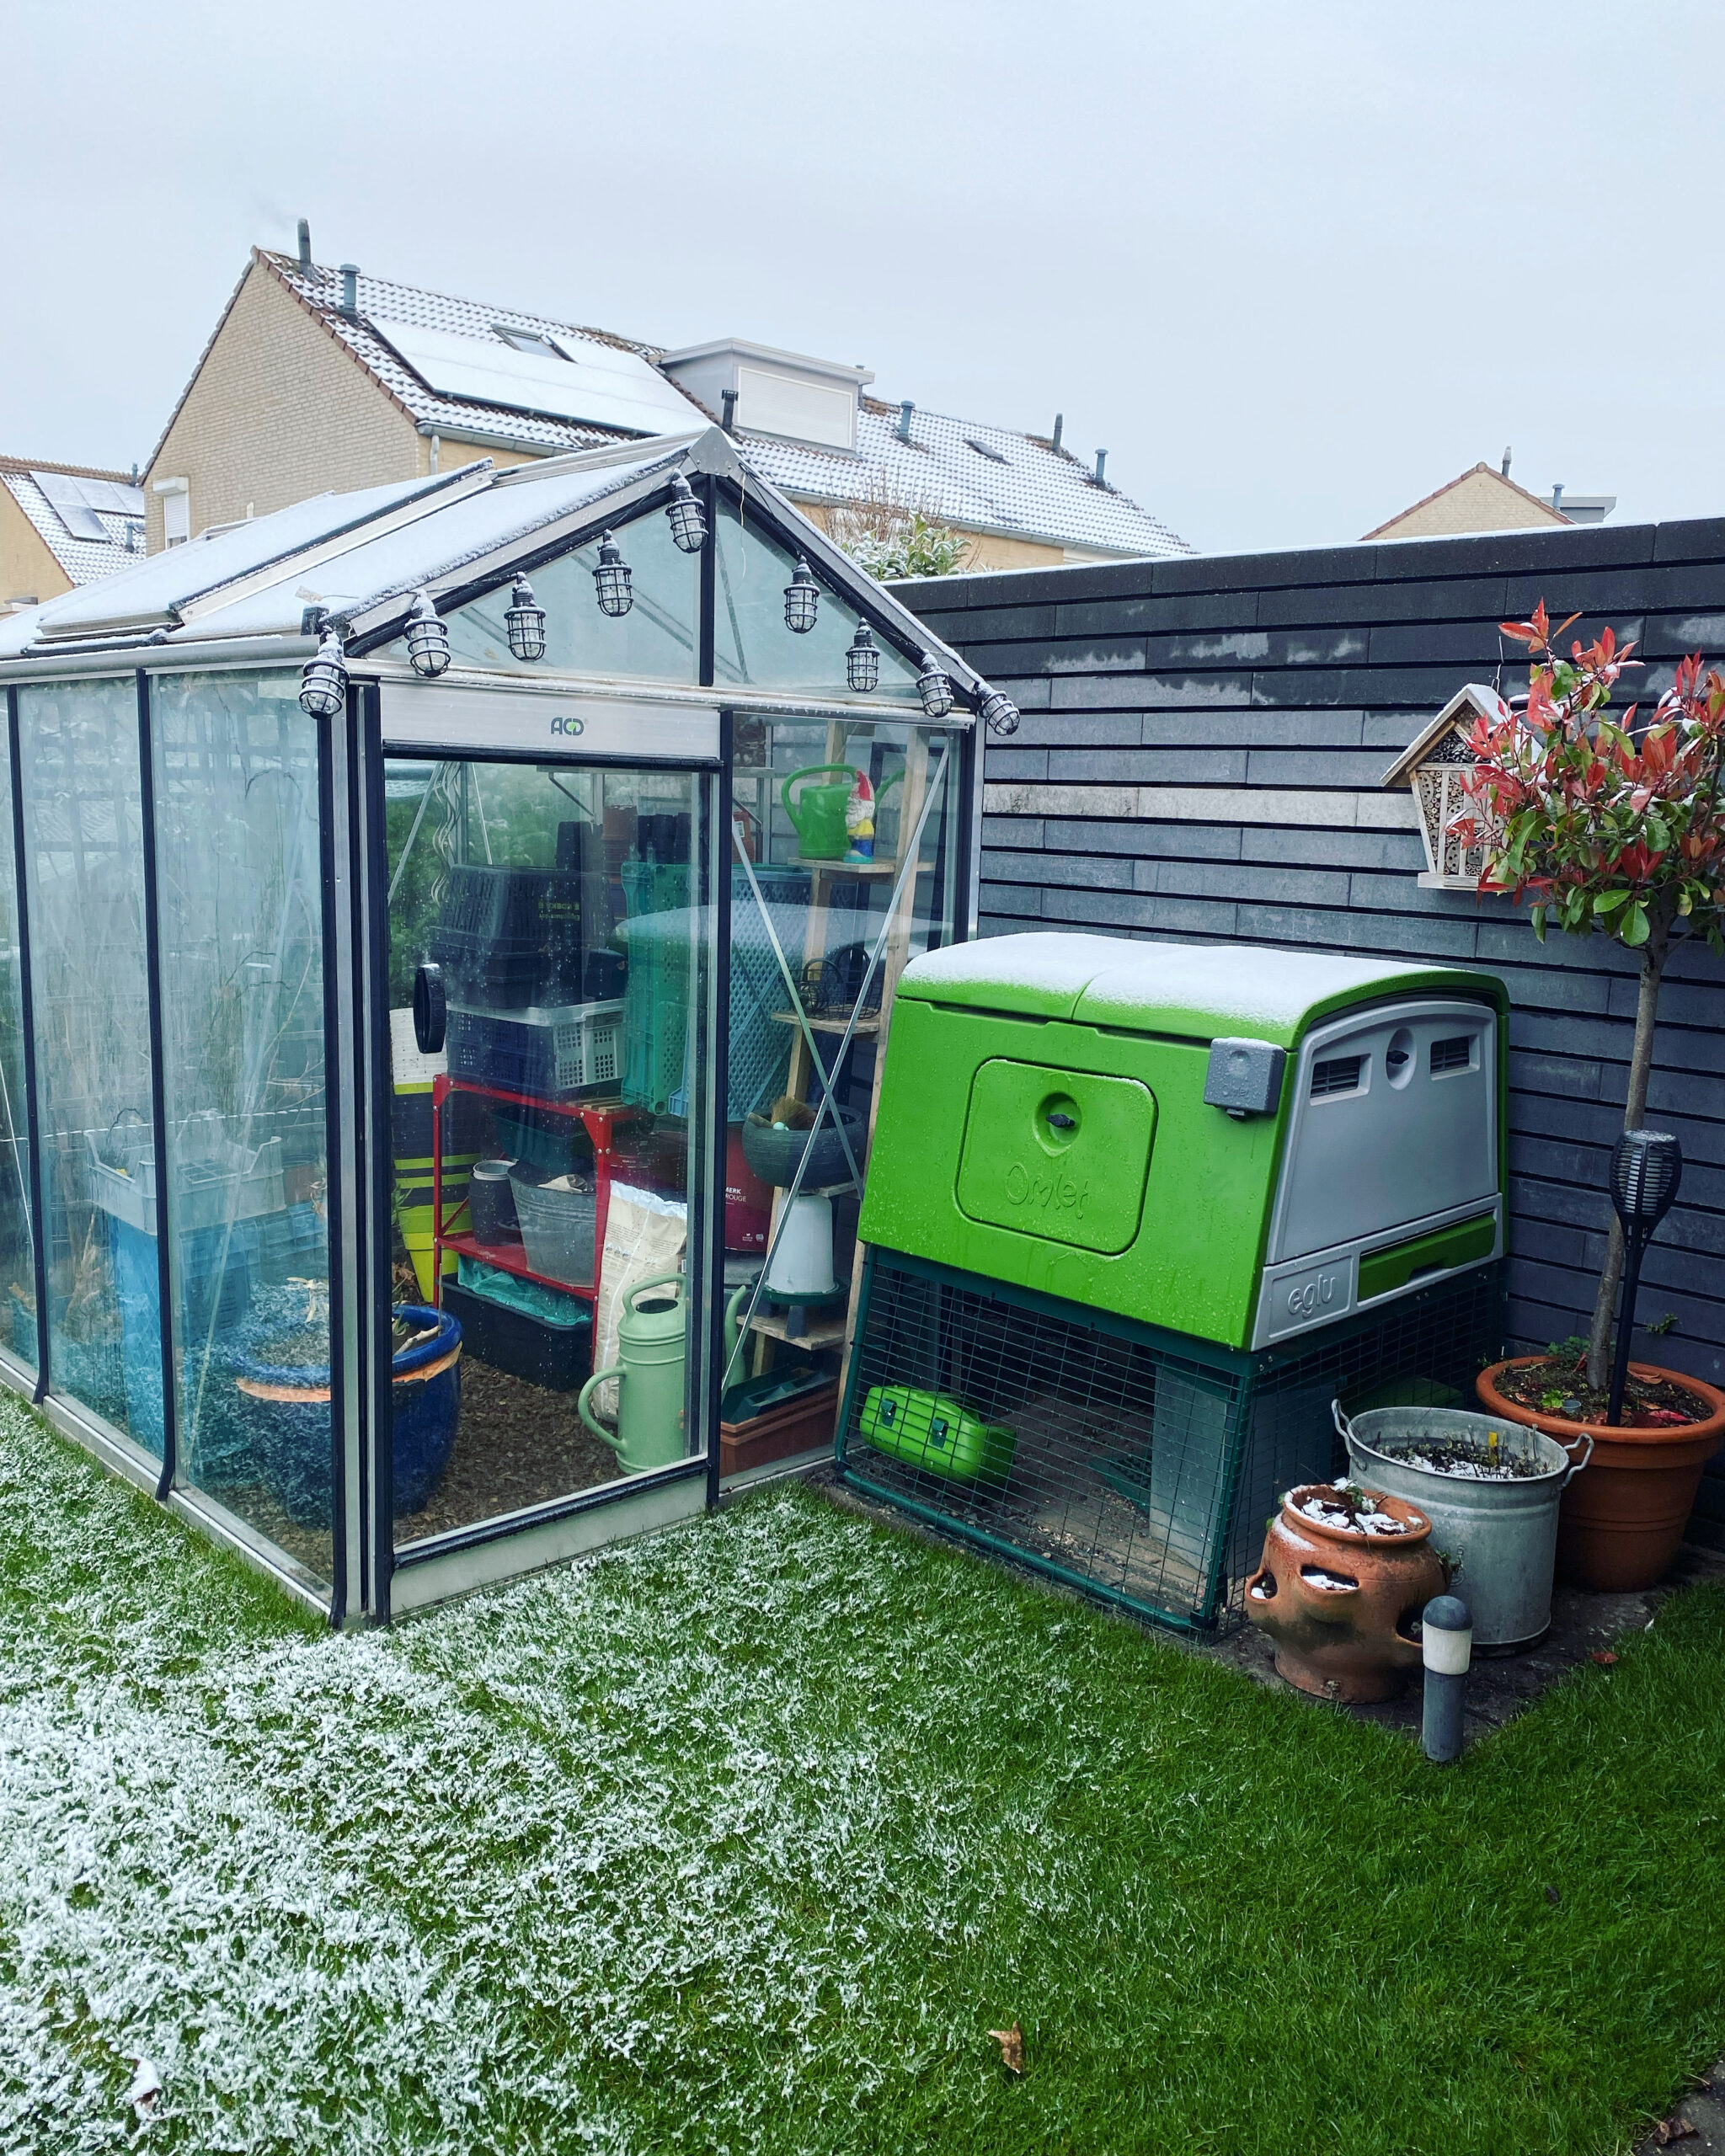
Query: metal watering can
<point x="652" y="1345"/>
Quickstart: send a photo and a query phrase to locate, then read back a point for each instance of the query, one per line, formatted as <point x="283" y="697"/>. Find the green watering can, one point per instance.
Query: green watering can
<point x="652" y="1338"/>
<point x="818" y="813"/>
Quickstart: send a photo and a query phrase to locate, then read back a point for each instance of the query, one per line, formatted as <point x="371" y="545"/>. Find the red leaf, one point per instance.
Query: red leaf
<point x="1603" y="1657"/>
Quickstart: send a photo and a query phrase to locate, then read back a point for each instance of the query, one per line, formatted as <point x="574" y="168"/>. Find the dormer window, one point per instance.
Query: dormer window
<point x="529" y="341"/>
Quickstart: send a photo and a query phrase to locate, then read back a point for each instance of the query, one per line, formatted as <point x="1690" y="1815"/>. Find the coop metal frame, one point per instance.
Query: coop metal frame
<point x="1473" y="1299"/>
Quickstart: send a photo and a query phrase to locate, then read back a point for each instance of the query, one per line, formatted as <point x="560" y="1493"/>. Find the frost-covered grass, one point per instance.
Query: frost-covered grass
<point x="743" y="1838"/>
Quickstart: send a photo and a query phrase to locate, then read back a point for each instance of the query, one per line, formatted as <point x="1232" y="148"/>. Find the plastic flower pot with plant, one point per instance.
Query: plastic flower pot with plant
<point x="1490" y="1488"/>
<point x="1620" y="1524"/>
<point x="1344" y="1577"/>
<point x="281" y="1374"/>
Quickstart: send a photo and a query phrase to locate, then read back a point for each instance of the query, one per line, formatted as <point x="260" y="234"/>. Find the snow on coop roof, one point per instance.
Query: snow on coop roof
<point x="493" y="375"/>
<point x="91" y="522"/>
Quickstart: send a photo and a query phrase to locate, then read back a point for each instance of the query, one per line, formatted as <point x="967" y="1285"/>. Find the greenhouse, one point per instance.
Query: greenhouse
<point x="452" y="926"/>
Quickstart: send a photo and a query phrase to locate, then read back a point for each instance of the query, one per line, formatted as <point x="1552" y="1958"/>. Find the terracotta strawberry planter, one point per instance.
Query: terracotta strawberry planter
<point x="1343" y="1604"/>
<point x="1620" y="1525"/>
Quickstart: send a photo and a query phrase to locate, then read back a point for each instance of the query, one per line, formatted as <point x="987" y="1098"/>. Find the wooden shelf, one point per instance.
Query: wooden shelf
<point x="867" y="1028"/>
<point x="844" y="870"/>
<point x="826" y="1329"/>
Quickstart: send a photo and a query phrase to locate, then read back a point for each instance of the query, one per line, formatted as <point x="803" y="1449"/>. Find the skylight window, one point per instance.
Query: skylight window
<point x="529" y="341"/>
<point x="985" y="448"/>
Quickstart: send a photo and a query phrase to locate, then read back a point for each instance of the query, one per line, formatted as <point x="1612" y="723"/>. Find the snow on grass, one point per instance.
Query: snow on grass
<point x="743" y="1837"/>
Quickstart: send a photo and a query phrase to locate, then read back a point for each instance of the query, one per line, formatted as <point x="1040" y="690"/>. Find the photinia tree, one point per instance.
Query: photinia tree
<point x="1605" y="827"/>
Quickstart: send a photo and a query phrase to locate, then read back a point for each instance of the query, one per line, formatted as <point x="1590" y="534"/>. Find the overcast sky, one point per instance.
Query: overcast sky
<point x="1292" y="266"/>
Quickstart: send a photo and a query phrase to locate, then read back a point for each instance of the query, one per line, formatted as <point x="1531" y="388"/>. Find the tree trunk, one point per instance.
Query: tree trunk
<point x="1653" y="954"/>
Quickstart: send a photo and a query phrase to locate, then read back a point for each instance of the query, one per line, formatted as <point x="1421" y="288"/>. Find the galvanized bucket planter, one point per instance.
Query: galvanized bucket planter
<point x="1503" y="1533"/>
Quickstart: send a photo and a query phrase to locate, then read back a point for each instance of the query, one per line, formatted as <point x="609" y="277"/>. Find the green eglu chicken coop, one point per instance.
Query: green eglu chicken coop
<point x="1136" y="1214"/>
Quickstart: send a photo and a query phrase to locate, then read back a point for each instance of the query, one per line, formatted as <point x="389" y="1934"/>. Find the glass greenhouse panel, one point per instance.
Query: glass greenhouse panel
<point x="548" y="1158"/>
<point x="17" y="1245"/>
<point x="240" y="928"/>
<point x="842" y="873"/>
<point x="752" y="646"/>
<point x="655" y="640"/>
<point x="83" y="853"/>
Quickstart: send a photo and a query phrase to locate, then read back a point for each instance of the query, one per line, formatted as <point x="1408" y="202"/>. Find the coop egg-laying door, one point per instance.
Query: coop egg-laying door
<point x="1391" y="1174"/>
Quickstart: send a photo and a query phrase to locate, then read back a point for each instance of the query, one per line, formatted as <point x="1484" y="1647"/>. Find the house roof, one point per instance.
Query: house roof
<point x="114" y="503"/>
<point x="1473" y="471"/>
<point x="362" y="557"/>
<point x="1034" y="491"/>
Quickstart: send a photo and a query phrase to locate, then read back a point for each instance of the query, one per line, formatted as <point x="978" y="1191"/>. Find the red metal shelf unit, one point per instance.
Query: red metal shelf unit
<point x="599" y="1119"/>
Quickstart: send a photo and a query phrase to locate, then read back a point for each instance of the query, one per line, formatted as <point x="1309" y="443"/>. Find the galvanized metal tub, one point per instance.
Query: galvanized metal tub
<point x="1504" y="1533"/>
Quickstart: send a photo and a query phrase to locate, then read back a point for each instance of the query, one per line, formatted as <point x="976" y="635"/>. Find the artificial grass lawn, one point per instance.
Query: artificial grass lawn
<point x="744" y="1837"/>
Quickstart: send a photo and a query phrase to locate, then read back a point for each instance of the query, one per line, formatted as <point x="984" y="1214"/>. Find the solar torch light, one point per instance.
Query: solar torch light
<point x="1647" y="1166"/>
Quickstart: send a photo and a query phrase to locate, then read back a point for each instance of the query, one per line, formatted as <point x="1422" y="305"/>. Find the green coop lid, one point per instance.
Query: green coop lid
<point x="1196" y="991"/>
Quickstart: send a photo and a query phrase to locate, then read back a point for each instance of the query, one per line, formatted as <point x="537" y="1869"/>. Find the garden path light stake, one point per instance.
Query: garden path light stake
<point x="1446" y="1641"/>
<point x="1647" y="1167"/>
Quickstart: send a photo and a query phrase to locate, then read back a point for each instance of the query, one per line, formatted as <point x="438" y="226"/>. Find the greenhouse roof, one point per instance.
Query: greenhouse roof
<point x="360" y="558"/>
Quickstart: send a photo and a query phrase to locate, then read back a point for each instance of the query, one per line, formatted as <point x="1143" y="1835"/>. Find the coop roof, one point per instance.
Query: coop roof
<point x="1197" y="991"/>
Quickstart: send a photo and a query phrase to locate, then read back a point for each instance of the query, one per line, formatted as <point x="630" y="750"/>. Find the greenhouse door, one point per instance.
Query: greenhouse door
<point x="545" y="1207"/>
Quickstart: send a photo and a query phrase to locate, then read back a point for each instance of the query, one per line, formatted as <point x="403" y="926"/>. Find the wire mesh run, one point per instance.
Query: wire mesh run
<point x="1136" y="1464"/>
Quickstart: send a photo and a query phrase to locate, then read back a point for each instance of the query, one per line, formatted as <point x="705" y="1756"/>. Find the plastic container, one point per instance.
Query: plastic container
<point x="214" y="1181"/>
<point x="555" y="1356"/>
<point x="491" y="1204"/>
<point x="515" y="903"/>
<point x="551" y="1054"/>
<point x="1504" y="1533"/>
<point x="551" y="1144"/>
<point x="558" y="1222"/>
<point x="776" y="1416"/>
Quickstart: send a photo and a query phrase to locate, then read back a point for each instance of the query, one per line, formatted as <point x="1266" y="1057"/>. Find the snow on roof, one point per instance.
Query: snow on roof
<point x="153" y="588"/>
<point x="1034" y="491"/>
<point x="1012" y="483"/>
<point x="112" y="504"/>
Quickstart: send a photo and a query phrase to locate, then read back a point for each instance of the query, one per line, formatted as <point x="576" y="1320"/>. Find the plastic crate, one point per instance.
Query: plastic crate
<point x="517" y="903"/>
<point x="215" y="1182"/>
<point x="552" y="1144"/>
<point x="551" y="1054"/>
<point x="556" y="1357"/>
<point x="504" y="973"/>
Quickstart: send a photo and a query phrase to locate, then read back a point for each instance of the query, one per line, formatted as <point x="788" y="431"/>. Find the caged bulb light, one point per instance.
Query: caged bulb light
<point x="613" y="580"/>
<point x="999" y="713"/>
<point x="427" y="640"/>
<point x="934" y="688"/>
<point x="801" y="599"/>
<point x="323" y="682"/>
<point x="688" y="526"/>
<point x="862" y="661"/>
<point x="525" y="621"/>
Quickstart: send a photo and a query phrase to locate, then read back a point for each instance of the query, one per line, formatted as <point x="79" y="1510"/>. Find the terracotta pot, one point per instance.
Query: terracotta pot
<point x="1620" y="1525"/>
<point x="1341" y="1604"/>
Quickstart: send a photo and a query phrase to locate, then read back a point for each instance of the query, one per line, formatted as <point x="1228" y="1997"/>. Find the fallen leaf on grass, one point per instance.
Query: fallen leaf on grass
<point x="1603" y="1657"/>
<point x="1012" y="2043"/>
<point x="145" y="2088"/>
<point x="1669" y="2130"/>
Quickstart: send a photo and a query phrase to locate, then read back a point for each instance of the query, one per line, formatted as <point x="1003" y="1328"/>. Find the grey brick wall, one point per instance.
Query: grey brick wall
<point x="1199" y="757"/>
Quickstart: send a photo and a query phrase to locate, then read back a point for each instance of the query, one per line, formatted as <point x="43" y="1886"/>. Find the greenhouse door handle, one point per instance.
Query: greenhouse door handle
<point x="431" y="1009"/>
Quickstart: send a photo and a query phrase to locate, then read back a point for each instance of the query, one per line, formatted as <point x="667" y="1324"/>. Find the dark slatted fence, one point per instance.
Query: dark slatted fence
<point x="1200" y="754"/>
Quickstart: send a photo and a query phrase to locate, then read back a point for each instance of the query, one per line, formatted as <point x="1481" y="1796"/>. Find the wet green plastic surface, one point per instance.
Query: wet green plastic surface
<point x="1395" y="1264"/>
<point x="1143" y="1011"/>
<point x="1057" y="1152"/>
<point x="930" y="1431"/>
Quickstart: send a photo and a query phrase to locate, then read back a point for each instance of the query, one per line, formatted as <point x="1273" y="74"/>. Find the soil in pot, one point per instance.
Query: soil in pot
<point x="1555" y="1384"/>
<point x="1620" y="1524"/>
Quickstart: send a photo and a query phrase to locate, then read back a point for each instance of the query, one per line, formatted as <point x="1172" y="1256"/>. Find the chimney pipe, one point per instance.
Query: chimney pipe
<point x="1505" y="466"/>
<point x="305" y="244"/>
<point x="728" y="405"/>
<point x="1557" y="498"/>
<point x="903" y="429"/>
<point x="350" y="290"/>
<point x="1059" y="422"/>
<point x="1101" y="458"/>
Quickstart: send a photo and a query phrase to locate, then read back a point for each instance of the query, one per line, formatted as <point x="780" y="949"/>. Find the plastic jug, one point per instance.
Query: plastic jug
<point x="818" y="813"/>
<point x="652" y="1337"/>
